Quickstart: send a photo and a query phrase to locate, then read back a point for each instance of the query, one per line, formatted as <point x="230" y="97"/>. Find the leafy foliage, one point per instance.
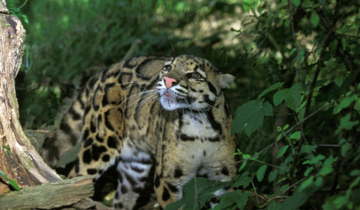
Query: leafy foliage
<point x="16" y="10"/>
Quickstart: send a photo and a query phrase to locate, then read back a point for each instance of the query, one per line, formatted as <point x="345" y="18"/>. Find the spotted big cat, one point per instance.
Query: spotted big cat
<point x="148" y="110"/>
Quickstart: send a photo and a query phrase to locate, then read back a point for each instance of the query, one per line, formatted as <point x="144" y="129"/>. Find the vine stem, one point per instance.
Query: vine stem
<point x="23" y="4"/>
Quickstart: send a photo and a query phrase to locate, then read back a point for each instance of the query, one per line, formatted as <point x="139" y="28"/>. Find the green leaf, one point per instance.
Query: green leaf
<point x="291" y="96"/>
<point x="296" y="135"/>
<point x="329" y="203"/>
<point x="296" y="2"/>
<point x="271" y="88"/>
<point x="318" y="181"/>
<point x="344" y="103"/>
<point x="308" y="171"/>
<point x="327" y="166"/>
<point x="252" y="115"/>
<point x="241" y="202"/>
<point x="355" y="172"/>
<point x="12" y="182"/>
<point x="260" y="173"/>
<point x="7" y="148"/>
<point x="298" y="198"/>
<point x="346" y="123"/>
<point x="314" y="19"/>
<point x="329" y="92"/>
<point x="344" y="148"/>
<point x="315" y="160"/>
<point x="242" y="166"/>
<point x="25" y="18"/>
<point x="284" y="187"/>
<point x="306" y="183"/>
<point x="272" y="175"/>
<point x="287" y="23"/>
<point x="282" y="151"/>
<point x="305" y="149"/>
<point x="274" y="205"/>
<point x="243" y="180"/>
<point x="292" y="51"/>
<point x="203" y="187"/>
<point x="279" y="96"/>
<point x="246" y="7"/>
<point x="228" y="200"/>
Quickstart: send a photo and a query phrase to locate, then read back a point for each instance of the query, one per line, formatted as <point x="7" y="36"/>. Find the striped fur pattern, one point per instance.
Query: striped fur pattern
<point x="148" y="110"/>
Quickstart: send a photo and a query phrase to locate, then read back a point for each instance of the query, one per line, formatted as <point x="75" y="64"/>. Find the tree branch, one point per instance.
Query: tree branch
<point x="71" y="192"/>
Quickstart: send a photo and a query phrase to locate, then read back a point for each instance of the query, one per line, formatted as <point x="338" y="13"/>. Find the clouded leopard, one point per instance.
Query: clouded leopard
<point x="148" y="110"/>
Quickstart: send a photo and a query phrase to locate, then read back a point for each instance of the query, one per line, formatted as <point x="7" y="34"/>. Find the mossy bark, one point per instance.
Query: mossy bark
<point x="24" y="165"/>
<point x="72" y="192"/>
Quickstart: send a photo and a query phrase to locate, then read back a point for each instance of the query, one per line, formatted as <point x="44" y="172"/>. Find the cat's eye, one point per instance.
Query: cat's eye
<point x="168" y="67"/>
<point x="195" y="75"/>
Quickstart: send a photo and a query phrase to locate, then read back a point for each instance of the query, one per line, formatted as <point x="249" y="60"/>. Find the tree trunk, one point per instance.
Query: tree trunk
<point x="18" y="159"/>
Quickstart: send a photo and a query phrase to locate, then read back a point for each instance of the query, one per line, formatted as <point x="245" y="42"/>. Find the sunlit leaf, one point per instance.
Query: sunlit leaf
<point x="25" y="18"/>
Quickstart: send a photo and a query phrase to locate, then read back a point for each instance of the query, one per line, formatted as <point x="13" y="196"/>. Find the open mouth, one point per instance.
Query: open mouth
<point x="168" y="96"/>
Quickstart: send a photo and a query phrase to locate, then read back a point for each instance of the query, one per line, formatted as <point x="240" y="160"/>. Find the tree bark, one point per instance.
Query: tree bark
<point x="24" y="165"/>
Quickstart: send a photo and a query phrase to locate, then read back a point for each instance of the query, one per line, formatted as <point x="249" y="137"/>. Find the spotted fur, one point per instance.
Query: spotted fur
<point x="145" y="110"/>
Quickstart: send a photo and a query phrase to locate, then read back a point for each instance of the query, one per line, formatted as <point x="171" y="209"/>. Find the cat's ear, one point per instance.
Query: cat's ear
<point x="224" y="80"/>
